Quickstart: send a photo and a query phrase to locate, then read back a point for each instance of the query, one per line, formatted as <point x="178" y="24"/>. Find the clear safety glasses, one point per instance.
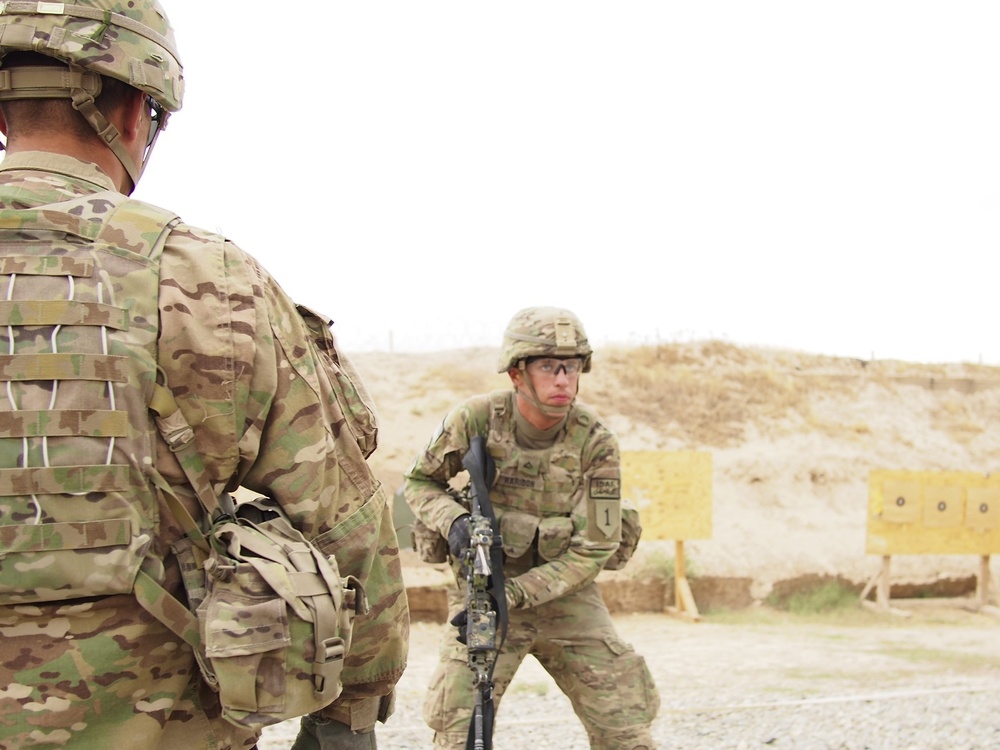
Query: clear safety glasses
<point x="550" y="367"/>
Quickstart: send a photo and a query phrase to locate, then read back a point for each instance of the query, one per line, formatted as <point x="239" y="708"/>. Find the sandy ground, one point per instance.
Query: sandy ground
<point x="732" y="680"/>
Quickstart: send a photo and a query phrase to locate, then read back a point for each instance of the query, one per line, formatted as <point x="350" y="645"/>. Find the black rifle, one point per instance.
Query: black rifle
<point x="486" y="604"/>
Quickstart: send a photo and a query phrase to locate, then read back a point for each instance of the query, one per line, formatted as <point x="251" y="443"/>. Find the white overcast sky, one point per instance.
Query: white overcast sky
<point x="819" y="176"/>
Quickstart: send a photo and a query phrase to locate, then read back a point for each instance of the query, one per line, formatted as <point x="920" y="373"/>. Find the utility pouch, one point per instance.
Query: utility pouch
<point x="276" y="619"/>
<point x="554" y="535"/>
<point x="518" y="530"/>
<point x="430" y="546"/>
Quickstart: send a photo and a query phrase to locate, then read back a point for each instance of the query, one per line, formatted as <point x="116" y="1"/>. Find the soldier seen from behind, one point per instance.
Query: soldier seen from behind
<point x="113" y="307"/>
<point x="556" y="497"/>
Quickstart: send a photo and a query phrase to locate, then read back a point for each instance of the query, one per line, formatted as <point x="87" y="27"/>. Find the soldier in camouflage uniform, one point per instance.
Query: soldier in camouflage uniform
<point x="90" y="330"/>
<point x="556" y="495"/>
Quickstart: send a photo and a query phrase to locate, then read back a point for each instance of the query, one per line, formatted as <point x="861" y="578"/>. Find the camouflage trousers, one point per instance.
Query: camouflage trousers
<point x="100" y="675"/>
<point x="574" y="639"/>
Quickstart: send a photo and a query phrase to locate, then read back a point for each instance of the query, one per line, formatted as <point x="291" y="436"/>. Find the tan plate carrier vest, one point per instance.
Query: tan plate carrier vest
<point x="79" y="320"/>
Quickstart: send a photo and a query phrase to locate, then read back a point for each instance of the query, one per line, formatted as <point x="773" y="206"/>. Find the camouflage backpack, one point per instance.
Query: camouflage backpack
<point x="270" y="619"/>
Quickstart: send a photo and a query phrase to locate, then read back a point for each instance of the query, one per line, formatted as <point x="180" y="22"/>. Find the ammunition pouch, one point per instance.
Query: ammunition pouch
<point x="554" y="533"/>
<point x="518" y="530"/>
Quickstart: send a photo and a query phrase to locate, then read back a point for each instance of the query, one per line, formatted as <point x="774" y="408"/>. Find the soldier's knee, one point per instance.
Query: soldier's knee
<point x="618" y="713"/>
<point x="632" y="699"/>
<point x="644" y="696"/>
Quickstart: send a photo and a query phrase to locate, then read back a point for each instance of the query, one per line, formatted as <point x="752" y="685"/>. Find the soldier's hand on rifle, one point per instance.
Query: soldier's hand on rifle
<point x="459" y="536"/>
<point x="461" y="621"/>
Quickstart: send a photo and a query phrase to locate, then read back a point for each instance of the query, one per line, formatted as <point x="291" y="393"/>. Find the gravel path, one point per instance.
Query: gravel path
<point x="929" y="682"/>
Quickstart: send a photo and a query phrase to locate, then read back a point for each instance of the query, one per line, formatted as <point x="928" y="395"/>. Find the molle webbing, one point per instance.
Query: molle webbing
<point x="79" y="323"/>
<point x="62" y="313"/>
<point x="47" y="265"/>
<point x="63" y="367"/>
<point x="63" y="479"/>
<point x="64" y="423"/>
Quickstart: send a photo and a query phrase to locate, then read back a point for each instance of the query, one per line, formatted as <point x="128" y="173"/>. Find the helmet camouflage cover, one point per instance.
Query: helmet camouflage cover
<point x="130" y="40"/>
<point x="543" y="332"/>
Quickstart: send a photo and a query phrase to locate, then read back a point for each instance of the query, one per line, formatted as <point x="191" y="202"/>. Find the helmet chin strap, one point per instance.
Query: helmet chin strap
<point x="83" y="102"/>
<point x="532" y="395"/>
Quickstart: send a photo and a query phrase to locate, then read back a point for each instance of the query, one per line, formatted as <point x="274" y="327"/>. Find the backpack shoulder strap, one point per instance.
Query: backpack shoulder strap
<point x="179" y="436"/>
<point x="501" y="404"/>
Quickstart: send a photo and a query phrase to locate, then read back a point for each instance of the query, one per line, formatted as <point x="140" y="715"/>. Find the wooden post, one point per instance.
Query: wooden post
<point x="683" y="598"/>
<point x="882" y="593"/>
<point x="680" y="573"/>
<point x="983" y="583"/>
<point x="881" y="603"/>
<point x="984" y="589"/>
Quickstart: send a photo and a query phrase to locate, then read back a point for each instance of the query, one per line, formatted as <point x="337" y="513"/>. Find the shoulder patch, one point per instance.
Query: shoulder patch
<point x="605" y="517"/>
<point x="602" y="488"/>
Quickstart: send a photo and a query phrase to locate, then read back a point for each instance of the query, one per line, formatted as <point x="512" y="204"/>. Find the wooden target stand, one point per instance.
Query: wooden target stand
<point x="932" y="513"/>
<point x="672" y="491"/>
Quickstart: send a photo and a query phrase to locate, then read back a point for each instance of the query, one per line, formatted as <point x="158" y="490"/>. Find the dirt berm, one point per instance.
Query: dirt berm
<point x="793" y="438"/>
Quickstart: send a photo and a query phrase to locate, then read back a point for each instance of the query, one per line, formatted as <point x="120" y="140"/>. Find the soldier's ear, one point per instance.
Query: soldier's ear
<point x="515" y="376"/>
<point x="133" y="107"/>
<point x="3" y="122"/>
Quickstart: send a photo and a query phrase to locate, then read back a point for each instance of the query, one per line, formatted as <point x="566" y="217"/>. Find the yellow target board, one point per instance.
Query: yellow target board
<point x="933" y="512"/>
<point x="672" y="491"/>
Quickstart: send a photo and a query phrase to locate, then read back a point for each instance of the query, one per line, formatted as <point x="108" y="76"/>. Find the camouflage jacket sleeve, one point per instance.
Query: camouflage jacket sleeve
<point x="244" y="362"/>
<point x="596" y="520"/>
<point x="427" y="480"/>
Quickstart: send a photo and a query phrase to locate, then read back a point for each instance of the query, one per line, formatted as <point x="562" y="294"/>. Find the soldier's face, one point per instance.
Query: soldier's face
<point x="554" y="384"/>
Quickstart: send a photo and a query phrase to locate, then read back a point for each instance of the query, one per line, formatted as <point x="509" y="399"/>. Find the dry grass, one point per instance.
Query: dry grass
<point x="707" y="394"/>
<point x="959" y="418"/>
<point x="704" y="394"/>
<point x="457" y="378"/>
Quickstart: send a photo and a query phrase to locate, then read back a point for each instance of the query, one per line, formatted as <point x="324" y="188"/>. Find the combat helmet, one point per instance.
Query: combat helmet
<point x="543" y="332"/>
<point x="129" y="40"/>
